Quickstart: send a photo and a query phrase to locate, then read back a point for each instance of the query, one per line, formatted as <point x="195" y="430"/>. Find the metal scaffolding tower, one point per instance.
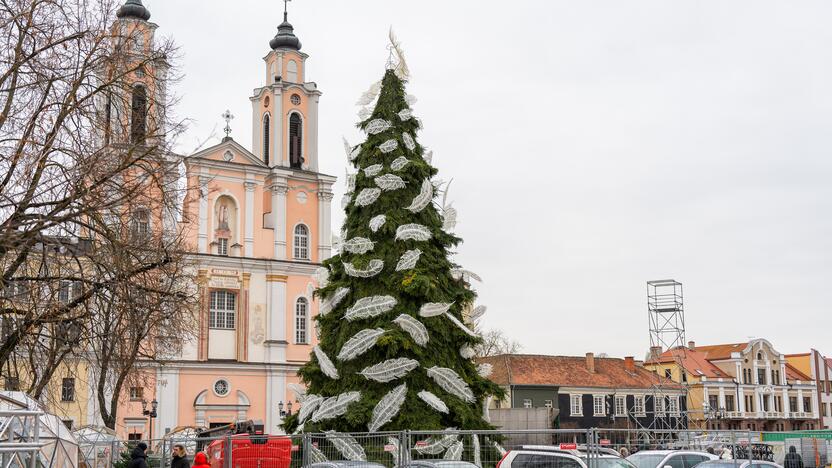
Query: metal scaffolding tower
<point x="666" y="308"/>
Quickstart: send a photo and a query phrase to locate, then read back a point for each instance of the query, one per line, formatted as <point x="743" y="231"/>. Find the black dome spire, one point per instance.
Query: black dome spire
<point x="285" y="38"/>
<point x="133" y="9"/>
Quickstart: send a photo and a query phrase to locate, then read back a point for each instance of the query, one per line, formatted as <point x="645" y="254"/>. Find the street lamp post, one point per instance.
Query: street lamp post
<point x="151" y="413"/>
<point x="288" y="407"/>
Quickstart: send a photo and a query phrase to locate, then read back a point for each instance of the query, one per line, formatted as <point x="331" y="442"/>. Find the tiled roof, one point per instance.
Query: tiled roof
<point x="723" y="351"/>
<point x="793" y="374"/>
<point x="568" y="371"/>
<point x="694" y="361"/>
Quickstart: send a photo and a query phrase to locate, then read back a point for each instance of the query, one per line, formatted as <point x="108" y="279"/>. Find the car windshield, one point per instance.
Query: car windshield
<point x="645" y="460"/>
<point x="611" y="463"/>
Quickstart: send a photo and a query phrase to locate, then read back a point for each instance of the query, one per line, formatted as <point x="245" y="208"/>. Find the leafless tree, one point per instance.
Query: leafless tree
<point x="496" y="342"/>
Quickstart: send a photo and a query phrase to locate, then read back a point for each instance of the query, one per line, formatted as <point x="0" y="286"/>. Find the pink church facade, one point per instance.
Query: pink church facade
<point x="258" y="220"/>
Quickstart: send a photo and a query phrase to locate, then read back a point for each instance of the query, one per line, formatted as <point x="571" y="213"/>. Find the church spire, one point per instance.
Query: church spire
<point x="285" y="38"/>
<point x="133" y="9"/>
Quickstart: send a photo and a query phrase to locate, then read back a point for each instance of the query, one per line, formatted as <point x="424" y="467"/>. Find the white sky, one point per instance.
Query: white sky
<point x="593" y="146"/>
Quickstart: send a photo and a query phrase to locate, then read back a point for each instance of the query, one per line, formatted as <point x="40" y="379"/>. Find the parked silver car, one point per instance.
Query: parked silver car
<point x="739" y="464"/>
<point x="439" y="464"/>
<point x="669" y="458"/>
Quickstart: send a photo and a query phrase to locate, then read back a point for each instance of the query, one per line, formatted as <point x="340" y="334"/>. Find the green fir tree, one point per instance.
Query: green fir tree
<point x="394" y="353"/>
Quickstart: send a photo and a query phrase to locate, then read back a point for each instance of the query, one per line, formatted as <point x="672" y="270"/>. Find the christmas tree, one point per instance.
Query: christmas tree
<point x="394" y="350"/>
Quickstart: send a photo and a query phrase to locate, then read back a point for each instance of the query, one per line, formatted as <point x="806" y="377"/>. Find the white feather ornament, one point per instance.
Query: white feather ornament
<point x="367" y="196"/>
<point x="299" y="429"/>
<point x="454" y="452"/>
<point x="466" y="275"/>
<point x="370" y="171"/>
<point x="450" y="437"/>
<point x="350" y="180"/>
<point x="449" y="218"/>
<point x="316" y="456"/>
<point x="397" y="452"/>
<point x="408" y="141"/>
<point x="399" y="163"/>
<point x="500" y="449"/>
<point x="298" y="390"/>
<point x="377" y="222"/>
<point x="370" y="306"/>
<point x="475" y="446"/>
<point x="486" y="413"/>
<point x="335" y="406"/>
<point x="434" y="309"/>
<point x="460" y="325"/>
<point x="327" y="367"/>
<point x="345" y="200"/>
<point x="358" y="245"/>
<point x="373" y="268"/>
<point x="410" y="99"/>
<point x="412" y="232"/>
<point x="332" y="301"/>
<point x="413" y="327"/>
<point x="431" y="446"/>
<point x="467" y="352"/>
<point x="389" y="370"/>
<point x="359" y="344"/>
<point x="365" y="113"/>
<point x="387" y="408"/>
<point x="377" y="126"/>
<point x="399" y="64"/>
<point x="405" y="114"/>
<point x="452" y="383"/>
<point x="388" y="146"/>
<point x="369" y="95"/>
<point x="310" y="291"/>
<point x="484" y="369"/>
<point x="428" y="157"/>
<point x="433" y="401"/>
<point x="389" y="182"/>
<point x="423" y="199"/>
<point x="408" y="260"/>
<point x="352" y="153"/>
<point x="346" y="446"/>
<point x="322" y="277"/>
<point x="308" y="406"/>
<point x="477" y="313"/>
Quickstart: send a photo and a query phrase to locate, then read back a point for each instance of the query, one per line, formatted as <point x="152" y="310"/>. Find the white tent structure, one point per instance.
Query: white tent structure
<point x="30" y="437"/>
<point x="99" y="446"/>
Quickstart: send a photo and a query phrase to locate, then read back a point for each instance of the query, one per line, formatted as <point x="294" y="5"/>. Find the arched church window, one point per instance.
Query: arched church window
<point x="138" y="115"/>
<point x="301" y="315"/>
<point x="301" y="242"/>
<point x="295" y="141"/>
<point x="266" y="128"/>
<point x="292" y="71"/>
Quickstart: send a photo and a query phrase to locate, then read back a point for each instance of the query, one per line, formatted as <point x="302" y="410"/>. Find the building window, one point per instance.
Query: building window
<point x="136" y="393"/>
<point x="548" y="404"/>
<point x="223" y="309"/>
<point x="222" y="246"/>
<point x="713" y="402"/>
<point x="684" y="377"/>
<point x="301" y="316"/>
<point x="576" y="405"/>
<point x="658" y="402"/>
<point x="668" y="374"/>
<point x="295" y="141"/>
<point x="140" y="224"/>
<point x="807" y="404"/>
<point x="746" y="376"/>
<point x="759" y="355"/>
<point x="766" y="402"/>
<point x="12" y="384"/>
<point x="620" y="405"/>
<point x="775" y="377"/>
<point x="730" y="404"/>
<point x="68" y="389"/>
<point x="826" y="410"/>
<point x="134" y="436"/>
<point x="138" y="115"/>
<point x="598" y="405"/>
<point x="793" y="404"/>
<point x="301" y="242"/>
<point x="527" y="403"/>
<point x="638" y="405"/>
<point x="295" y="99"/>
<point x="222" y="387"/>
<point x="65" y="291"/>
<point x="673" y="405"/>
<point x="266" y="134"/>
<point x="761" y="377"/>
<point x="749" y="403"/>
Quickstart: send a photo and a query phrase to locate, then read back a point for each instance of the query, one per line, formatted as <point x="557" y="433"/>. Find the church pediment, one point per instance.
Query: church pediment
<point x="231" y="152"/>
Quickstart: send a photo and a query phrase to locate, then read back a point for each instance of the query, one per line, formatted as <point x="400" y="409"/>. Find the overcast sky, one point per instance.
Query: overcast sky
<point x="593" y="146"/>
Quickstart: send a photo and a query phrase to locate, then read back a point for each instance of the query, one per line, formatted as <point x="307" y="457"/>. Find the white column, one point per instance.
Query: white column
<point x="786" y="404"/>
<point x="312" y="133"/>
<point x="800" y="406"/>
<point x="741" y="403"/>
<point x="167" y="394"/>
<point x="768" y="372"/>
<point x="275" y="392"/>
<point x="706" y="400"/>
<point x="721" y="397"/>
<point x="755" y="376"/>
<point x="815" y="407"/>
<point x="279" y="191"/>
<point x="324" y="225"/>
<point x="202" y="233"/>
<point x="249" y="226"/>
<point x="277" y="129"/>
<point x="758" y="400"/>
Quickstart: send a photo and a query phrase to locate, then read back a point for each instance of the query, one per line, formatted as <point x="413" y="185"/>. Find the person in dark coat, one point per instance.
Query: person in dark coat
<point x="180" y="457"/>
<point x="138" y="457"/>
<point x="793" y="459"/>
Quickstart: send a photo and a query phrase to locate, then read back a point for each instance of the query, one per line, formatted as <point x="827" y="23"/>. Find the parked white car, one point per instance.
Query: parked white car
<point x="439" y="464"/>
<point x="739" y="464"/>
<point x="669" y="458"/>
<point x="556" y="458"/>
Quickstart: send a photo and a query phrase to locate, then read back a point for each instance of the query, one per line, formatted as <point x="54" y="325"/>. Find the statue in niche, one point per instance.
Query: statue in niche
<point x="223" y="218"/>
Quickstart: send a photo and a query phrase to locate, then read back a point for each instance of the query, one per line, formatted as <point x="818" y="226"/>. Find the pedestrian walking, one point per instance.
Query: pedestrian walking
<point x="180" y="457"/>
<point x="793" y="459"/>
<point x="201" y="460"/>
<point x="138" y="457"/>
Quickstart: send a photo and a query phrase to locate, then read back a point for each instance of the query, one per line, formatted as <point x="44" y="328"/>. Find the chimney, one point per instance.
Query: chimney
<point x="655" y="353"/>
<point x="630" y="364"/>
<point x="692" y="345"/>
<point x="590" y="362"/>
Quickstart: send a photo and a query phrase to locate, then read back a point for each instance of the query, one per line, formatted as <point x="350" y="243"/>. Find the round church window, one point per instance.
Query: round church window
<point x="221" y="387"/>
<point x="295" y="99"/>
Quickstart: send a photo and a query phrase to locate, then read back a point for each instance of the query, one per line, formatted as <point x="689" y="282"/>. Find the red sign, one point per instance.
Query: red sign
<point x="569" y="446"/>
<point x="605" y="442"/>
<point x="389" y="448"/>
<point x="421" y="443"/>
<point x="295" y="448"/>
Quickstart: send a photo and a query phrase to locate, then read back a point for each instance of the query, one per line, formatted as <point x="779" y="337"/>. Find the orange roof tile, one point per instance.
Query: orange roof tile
<point x="793" y="374"/>
<point x="722" y="351"/>
<point x="694" y="361"/>
<point x="568" y="371"/>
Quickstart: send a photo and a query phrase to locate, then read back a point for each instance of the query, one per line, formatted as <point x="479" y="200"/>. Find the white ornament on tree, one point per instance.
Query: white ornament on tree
<point x="377" y="222"/>
<point x="370" y="95"/>
<point x="367" y="196"/>
<point x="327" y="367"/>
<point x="452" y="383"/>
<point x="389" y="370"/>
<point x="428" y="157"/>
<point x="358" y="245"/>
<point x="370" y="171"/>
<point x="449" y="218"/>
<point x="460" y="325"/>
<point x="352" y="153"/>
<point x="365" y="113"/>
<point x="346" y="446"/>
<point x="434" y="309"/>
<point x="316" y="456"/>
<point x="467" y="352"/>
<point x="399" y="163"/>
<point x="408" y="260"/>
<point x="374" y="267"/>
<point x="332" y="301"/>
<point x="387" y="408"/>
<point x="388" y="146"/>
<point x="466" y="275"/>
<point x="408" y="141"/>
<point x="454" y="452"/>
<point x="477" y="313"/>
<point x="376" y="126"/>
<point x="359" y="344"/>
<point x="389" y="182"/>
<point x="405" y="115"/>
<point x="322" y="276"/>
<point x="350" y="181"/>
<point x="308" y="406"/>
<point x="475" y="446"/>
<point x="345" y="200"/>
<point x="421" y="201"/>
<point x="433" y="401"/>
<point x="298" y="390"/>
<point x="413" y="327"/>
<point x="415" y="232"/>
<point x="335" y="406"/>
<point x="371" y="306"/>
<point x="410" y="99"/>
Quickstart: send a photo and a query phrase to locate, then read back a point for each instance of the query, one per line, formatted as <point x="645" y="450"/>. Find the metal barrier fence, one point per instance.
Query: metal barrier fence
<point x="479" y="448"/>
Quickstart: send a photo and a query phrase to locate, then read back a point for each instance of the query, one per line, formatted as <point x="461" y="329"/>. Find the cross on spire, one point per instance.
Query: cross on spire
<point x="228" y="117"/>
<point x="286" y="9"/>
